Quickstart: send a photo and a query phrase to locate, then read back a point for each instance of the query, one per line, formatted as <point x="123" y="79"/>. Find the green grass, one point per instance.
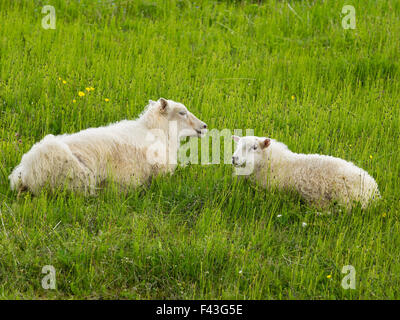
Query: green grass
<point x="201" y="233"/>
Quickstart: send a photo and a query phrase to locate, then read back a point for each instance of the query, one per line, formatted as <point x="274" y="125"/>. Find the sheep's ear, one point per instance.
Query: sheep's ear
<point x="236" y="138"/>
<point x="265" y="143"/>
<point x="163" y="104"/>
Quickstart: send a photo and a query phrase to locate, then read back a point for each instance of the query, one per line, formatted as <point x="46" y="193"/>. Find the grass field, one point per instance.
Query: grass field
<point x="290" y="72"/>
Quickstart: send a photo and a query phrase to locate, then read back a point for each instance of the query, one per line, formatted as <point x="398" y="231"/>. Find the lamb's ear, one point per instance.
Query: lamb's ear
<point x="236" y="138"/>
<point x="163" y="104"/>
<point x="265" y="143"/>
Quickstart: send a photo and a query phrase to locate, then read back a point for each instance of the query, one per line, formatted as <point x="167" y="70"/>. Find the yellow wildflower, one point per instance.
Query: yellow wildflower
<point x="370" y="156"/>
<point x="64" y="81"/>
<point x="329" y="276"/>
<point x="106" y="99"/>
<point x="74" y="101"/>
<point x="293" y="97"/>
<point x="81" y="94"/>
<point x="87" y="89"/>
<point x="384" y="214"/>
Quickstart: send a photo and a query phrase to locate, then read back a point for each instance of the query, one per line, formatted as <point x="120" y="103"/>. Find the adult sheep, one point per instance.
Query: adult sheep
<point x="129" y="152"/>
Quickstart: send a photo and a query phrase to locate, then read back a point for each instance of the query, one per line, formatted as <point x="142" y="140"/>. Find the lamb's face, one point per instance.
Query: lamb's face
<point x="249" y="151"/>
<point x="188" y="125"/>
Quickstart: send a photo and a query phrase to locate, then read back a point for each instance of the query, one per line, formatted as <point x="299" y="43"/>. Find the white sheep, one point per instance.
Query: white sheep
<point x="128" y="152"/>
<point x="319" y="179"/>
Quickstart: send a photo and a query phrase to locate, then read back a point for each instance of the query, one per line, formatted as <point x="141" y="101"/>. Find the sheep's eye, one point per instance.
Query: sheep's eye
<point x="182" y="113"/>
<point x="254" y="147"/>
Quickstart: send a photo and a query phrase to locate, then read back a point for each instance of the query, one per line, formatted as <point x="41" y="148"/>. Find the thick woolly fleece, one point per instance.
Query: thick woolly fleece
<point x="129" y="152"/>
<point x="319" y="179"/>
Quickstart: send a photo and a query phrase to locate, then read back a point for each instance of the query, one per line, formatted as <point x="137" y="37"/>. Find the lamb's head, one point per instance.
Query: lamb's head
<point x="249" y="152"/>
<point x="176" y="114"/>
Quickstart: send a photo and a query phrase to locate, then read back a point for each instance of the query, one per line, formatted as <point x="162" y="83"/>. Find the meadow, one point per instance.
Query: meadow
<point x="286" y="69"/>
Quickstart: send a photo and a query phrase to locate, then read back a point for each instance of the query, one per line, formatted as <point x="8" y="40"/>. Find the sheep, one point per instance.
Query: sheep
<point x="128" y="152"/>
<point x="319" y="179"/>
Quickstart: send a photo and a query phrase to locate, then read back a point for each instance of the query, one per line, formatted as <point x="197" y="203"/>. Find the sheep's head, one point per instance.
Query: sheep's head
<point x="187" y="124"/>
<point x="249" y="151"/>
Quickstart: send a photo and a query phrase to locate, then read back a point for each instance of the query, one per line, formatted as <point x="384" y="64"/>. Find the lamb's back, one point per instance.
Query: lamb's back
<point x="325" y="178"/>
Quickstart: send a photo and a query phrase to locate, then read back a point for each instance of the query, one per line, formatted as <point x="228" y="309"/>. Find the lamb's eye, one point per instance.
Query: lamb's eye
<point x="254" y="147"/>
<point x="182" y="113"/>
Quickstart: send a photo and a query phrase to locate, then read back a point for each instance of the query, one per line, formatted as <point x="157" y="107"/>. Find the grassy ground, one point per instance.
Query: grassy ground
<point x="294" y="75"/>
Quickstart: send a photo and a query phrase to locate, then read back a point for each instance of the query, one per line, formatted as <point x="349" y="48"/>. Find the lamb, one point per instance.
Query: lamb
<point x="319" y="179"/>
<point x="128" y="152"/>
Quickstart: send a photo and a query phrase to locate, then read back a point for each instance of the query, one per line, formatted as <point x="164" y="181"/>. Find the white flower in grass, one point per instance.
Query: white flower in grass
<point x="279" y="215"/>
<point x="304" y="224"/>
